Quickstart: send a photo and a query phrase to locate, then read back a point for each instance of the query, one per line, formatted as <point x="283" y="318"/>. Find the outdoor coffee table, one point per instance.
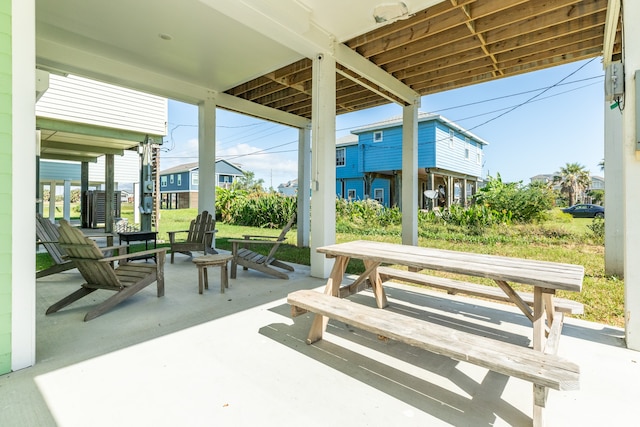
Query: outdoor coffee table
<point x="219" y="260"/>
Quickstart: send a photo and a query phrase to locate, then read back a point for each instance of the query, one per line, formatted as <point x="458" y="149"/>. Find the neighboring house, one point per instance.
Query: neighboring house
<point x="289" y="188"/>
<point x="597" y="183"/>
<point x="80" y="121"/>
<point x="450" y="158"/>
<point x="179" y="184"/>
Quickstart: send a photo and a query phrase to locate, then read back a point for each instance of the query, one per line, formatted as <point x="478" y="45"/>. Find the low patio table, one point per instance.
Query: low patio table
<point x="218" y="260"/>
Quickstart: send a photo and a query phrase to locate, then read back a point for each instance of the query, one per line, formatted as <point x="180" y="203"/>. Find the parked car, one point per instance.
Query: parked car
<point x="585" y="211"/>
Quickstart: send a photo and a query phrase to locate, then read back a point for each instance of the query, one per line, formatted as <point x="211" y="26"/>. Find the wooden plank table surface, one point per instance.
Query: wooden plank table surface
<point x="545" y="277"/>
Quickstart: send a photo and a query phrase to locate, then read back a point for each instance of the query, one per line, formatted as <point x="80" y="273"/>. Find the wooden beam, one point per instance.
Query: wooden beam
<point x="96" y="149"/>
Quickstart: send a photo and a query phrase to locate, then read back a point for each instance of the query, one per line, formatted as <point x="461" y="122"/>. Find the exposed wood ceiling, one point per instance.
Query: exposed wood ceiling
<point x="450" y="45"/>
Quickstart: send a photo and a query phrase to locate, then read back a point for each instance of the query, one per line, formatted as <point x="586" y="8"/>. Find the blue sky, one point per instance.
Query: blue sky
<point x="535" y="123"/>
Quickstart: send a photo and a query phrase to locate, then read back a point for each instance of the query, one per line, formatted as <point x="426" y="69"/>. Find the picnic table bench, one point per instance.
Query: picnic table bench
<point x="539" y="365"/>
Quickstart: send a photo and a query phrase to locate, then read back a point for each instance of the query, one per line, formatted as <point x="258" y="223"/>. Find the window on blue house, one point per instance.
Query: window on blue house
<point x="377" y="136"/>
<point x="378" y="195"/>
<point x="179" y="180"/>
<point x="163" y="181"/>
<point x="351" y="194"/>
<point x="340" y="157"/>
<point x="171" y="179"/>
<point x="194" y="178"/>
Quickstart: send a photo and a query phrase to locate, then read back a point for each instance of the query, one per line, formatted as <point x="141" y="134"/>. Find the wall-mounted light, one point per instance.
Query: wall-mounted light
<point x="390" y="12"/>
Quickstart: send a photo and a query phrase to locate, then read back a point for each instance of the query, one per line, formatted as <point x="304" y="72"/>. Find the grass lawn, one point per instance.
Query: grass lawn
<point x="560" y="240"/>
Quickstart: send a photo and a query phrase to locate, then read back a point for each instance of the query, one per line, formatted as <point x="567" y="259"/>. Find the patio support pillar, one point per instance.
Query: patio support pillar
<point x="631" y="174"/>
<point x="409" y="204"/>
<point x="323" y="170"/>
<point x="67" y="200"/>
<point x="613" y="226"/>
<point x="304" y="186"/>
<point x="207" y="154"/>
<point x="109" y="188"/>
<point x="52" y="201"/>
<point x="84" y="187"/>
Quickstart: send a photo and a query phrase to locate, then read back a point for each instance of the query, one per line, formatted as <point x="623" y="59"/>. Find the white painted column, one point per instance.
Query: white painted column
<point x="631" y="174"/>
<point x="23" y="184"/>
<point x="52" y="201"/>
<point x="613" y="198"/>
<point x="323" y="171"/>
<point x="207" y="154"/>
<point x="410" y="175"/>
<point x="66" y="196"/>
<point x="304" y="186"/>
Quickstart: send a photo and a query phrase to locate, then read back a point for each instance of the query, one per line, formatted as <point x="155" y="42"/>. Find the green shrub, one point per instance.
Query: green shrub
<point x="597" y="230"/>
<point x="524" y="203"/>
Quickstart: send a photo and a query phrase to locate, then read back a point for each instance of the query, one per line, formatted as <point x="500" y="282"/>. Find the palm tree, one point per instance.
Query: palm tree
<point x="601" y="164"/>
<point x="573" y="180"/>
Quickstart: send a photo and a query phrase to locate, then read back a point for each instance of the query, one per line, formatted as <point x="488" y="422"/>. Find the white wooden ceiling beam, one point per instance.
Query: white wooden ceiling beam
<point x="292" y="26"/>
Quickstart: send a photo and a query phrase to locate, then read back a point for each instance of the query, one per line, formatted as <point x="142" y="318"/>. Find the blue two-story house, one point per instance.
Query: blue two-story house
<point x="450" y="158"/>
<point x="179" y="184"/>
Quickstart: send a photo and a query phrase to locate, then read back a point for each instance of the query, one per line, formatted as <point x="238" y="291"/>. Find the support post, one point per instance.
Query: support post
<point x="631" y="176"/>
<point x="66" y="197"/>
<point x="84" y="187"/>
<point x="304" y="186"/>
<point x="52" y="201"/>
<point x="323" y="206"/>
<point x="207" y="154"/>
<point x="613" y="226"/>
<point x="409" y="203"/>
<point x="109" y="188"/>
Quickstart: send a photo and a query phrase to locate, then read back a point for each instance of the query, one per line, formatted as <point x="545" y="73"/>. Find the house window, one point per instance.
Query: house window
<point x="179" y="180"/>
<point x="163" y="181"/>
<point x="451" y="135"/>
<point x="466" y="153"/>
<point x="340" y="157"/>
<point x="351" y="194"/>
<point x="171" y="179"/>
<point x="478" y="157"/>
<point x="377" y="136"/>
<point x="378" y="195"/>
<point x="194" y="178"/>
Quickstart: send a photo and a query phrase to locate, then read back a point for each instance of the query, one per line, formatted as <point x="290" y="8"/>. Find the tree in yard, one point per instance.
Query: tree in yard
<point x="249" y="183"/>
<point x="573" y="180"/>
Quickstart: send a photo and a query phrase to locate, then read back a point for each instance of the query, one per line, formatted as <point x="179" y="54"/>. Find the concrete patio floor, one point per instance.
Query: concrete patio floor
<point x="239" y="359"/>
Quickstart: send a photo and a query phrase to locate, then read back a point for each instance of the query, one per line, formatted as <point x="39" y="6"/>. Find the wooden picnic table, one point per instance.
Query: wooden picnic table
<point x="545" y="277"/>
<point x="539" y="365"/>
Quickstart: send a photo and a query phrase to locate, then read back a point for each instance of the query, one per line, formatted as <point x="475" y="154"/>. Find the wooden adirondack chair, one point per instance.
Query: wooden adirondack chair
<point x="249" y="259"/>
<point x="48" y="235"/>
<point x="99" y="272"/>
<point x="199" y="238"/>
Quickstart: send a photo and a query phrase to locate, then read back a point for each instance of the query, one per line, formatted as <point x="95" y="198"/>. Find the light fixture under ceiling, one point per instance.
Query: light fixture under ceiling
<point x="390" y="12"/>
<point x="165" y="36"/>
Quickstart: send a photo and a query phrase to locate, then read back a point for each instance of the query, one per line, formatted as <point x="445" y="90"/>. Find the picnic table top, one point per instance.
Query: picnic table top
<point x="545" y="274"/>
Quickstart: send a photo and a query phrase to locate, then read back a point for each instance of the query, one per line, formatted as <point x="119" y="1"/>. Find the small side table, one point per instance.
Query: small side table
<point x="139" y="236"/>
<point x="219" y="260"/>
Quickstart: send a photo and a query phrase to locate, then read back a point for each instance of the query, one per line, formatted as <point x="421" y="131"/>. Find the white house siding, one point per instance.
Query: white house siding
<point x="127" y="168"/>
<point x="76" y="99"/>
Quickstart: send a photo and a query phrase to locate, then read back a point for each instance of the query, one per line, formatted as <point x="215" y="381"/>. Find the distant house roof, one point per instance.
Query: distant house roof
<point x="422" y="117"/>
<point x="222" y="167"/>
<point x="293" y="184"/>
<point x="349" y="139"/>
